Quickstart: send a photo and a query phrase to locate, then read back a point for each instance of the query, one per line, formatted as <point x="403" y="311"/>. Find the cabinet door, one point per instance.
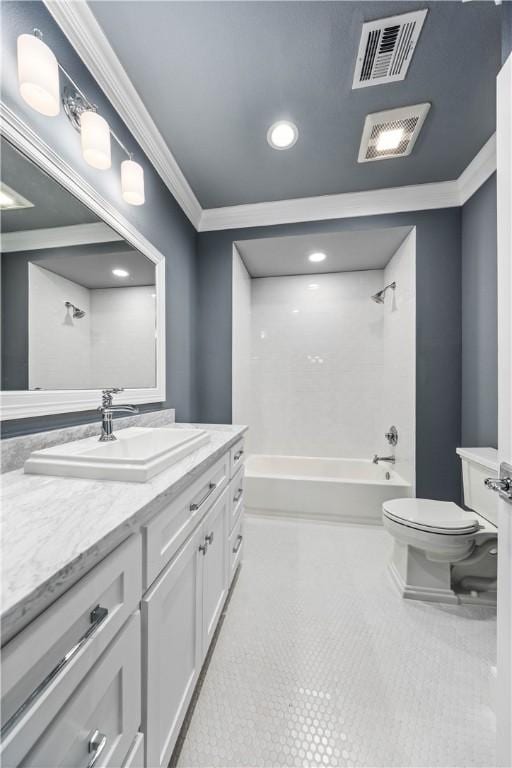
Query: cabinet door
<point x="215" y="571"/>
<point x="172" y="617"/>
<point x="100" y="719"/>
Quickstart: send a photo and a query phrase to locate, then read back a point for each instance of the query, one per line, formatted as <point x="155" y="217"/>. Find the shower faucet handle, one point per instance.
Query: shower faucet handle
<point x="106" y="395"/>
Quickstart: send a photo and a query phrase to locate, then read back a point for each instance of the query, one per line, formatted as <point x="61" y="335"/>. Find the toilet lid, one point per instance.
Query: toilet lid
<point x="432" y="516"/>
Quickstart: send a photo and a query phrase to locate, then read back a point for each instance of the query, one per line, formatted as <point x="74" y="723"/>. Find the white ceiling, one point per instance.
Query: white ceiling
<point x="352" y="251"/>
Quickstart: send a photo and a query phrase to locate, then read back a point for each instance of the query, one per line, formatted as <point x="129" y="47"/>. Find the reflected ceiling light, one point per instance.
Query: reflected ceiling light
<point x="132" y="182"/>
<point x="317" y="256"/>
<point x="120" y="272"/>
<point x="313" y="286"/>
<point x="282" y="135"/>
<point x="38" y="74"/>
<point x="95" y="139"/>
<point x="11" y="200"/>
<point x="389" y="139"/>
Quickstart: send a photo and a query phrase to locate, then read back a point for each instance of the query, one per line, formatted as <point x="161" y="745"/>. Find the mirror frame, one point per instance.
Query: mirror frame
<point x="23" y="404"/>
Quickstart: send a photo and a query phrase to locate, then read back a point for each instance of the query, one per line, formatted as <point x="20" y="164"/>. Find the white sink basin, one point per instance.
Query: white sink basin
<point x="138" y="454"/>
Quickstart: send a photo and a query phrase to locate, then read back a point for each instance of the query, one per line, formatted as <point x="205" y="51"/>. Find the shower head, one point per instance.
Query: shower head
<point x="378" y="297"/>
<point x="77" y="313"/>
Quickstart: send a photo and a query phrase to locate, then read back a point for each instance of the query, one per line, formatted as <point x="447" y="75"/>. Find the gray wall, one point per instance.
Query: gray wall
<point x="438" y="335"/>
<point x="479" y="319"/>
<point x="160" y="219"/>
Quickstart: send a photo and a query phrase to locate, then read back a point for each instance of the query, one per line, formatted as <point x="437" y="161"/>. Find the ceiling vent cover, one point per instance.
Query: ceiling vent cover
<point x="392" y="133"/>
<point x="386" y="48"/>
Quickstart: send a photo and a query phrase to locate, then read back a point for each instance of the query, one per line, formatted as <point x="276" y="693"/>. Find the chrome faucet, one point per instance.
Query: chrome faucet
<point x="107" y="409"/>
<point x="390" y="459"/>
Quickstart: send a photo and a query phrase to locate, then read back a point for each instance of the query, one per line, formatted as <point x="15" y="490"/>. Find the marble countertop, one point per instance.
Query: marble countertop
<point x="55" y="529"/>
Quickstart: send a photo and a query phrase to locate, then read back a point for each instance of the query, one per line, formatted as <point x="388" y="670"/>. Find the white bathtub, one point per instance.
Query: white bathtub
<point x="350" y="490"/>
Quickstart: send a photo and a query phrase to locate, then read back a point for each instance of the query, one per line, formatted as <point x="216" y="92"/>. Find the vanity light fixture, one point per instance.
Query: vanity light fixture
<point x="132" y="182"/>
<point x="38" y="77"/>
<point x="317" y="256"/>
<point x="95" y="140"/>
<point x="282" y="135"/>
<point x="38" y="74"/>
<point x="120" y="272"/>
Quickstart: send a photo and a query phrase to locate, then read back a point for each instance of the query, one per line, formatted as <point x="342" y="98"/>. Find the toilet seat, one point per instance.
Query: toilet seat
<point x="442" y="517"/>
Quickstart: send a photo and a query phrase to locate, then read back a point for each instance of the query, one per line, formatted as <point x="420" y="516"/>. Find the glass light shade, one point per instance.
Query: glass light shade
<point x="95" y="136"/>
<point x="38" y="75"/>
<point x="132" y="182"/>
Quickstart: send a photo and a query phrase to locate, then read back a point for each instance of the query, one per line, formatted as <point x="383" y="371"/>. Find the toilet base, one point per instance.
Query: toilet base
<point x="418" y="578"/>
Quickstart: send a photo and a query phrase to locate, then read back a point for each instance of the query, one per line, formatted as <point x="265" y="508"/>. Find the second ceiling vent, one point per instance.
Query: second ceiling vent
<point x="386" y="48"/>
<point x="391" y="133"/>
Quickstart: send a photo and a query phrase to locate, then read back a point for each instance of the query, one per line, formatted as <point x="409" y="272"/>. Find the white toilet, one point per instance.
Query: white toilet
<point x="443" y="553"/>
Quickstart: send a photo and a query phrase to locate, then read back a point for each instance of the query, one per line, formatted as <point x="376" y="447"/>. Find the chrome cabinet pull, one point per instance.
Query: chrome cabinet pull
<point x="209" y="538"/>
<point x="97" y="744"/>
<point x="238" y="455"/>
<point x="238" y="495"/>
<point x="203" y="548"/>
<point x="238" y="543"/>
<point x="211" y="488"/>
<point x="96" y="617"/>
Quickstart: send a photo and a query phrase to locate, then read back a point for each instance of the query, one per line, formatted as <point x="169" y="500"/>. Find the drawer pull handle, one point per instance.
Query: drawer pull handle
<point x="238" y="495"/>
<point x="209" y="538"/>
<point x="97" y="744"/>
<point x="238" y="455"/>
<point x="211" y="488"/>
<point x="96" y="617"/>
<point x="203" y="548"/>
<point x="238" y="543"/>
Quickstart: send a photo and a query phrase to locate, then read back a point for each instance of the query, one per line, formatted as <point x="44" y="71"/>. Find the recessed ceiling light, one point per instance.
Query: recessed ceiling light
<point x="317" y="256"/>
<point x="313" y="286"/>
<point x="120" y="273"/>
<point x="11" y="200"/>
<point x="282" y="135"/>
<point x="389" y="139"/>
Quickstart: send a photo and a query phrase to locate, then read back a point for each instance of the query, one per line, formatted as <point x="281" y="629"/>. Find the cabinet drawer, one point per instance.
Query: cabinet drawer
<point x="43" y="665"/>
<point x="165" y="534"/>
<point x="102" y="715"/>
<point x="236" y="493"/>
<point x="237" y="456"/>
<point x="236" y="546"/>
<point x="135" y="757"/>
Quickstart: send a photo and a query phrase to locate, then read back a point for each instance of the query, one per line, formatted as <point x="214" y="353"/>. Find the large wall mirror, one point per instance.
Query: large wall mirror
<point x="81" y="305"/>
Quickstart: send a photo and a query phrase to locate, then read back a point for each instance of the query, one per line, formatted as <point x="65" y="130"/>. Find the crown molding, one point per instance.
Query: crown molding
<point x="58" y="237"/>
<point x="84" y="33"/>
<point x="444" y="194"/>
<point x="478" y="171"/>
<point x="419" y="197"/>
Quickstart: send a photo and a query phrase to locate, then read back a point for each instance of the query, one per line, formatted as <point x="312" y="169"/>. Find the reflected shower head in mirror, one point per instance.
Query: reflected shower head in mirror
<point x="378" y="297"/>
<point x="77" y="313"/>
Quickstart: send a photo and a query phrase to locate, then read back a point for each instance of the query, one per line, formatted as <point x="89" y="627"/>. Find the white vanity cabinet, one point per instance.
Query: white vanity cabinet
<point x="138" y="625"/>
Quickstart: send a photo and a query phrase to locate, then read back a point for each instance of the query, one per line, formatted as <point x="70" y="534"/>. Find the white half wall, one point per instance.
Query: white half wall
<point x="399" y="346"/>
<point x="241" y="343"/>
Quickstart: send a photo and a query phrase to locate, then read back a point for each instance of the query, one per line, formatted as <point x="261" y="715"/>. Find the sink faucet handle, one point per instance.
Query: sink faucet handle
<point x="106" y="395"/>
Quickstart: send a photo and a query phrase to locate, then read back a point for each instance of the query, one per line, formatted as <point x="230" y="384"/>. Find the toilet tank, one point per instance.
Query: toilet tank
<point x="477" y="464"/>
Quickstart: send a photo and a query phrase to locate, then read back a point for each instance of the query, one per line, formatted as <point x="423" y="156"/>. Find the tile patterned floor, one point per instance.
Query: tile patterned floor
<point x="320" y="663"/>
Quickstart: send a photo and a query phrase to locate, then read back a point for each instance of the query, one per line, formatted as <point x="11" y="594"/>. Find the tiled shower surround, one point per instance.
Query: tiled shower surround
<point x="330" y="370"/>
